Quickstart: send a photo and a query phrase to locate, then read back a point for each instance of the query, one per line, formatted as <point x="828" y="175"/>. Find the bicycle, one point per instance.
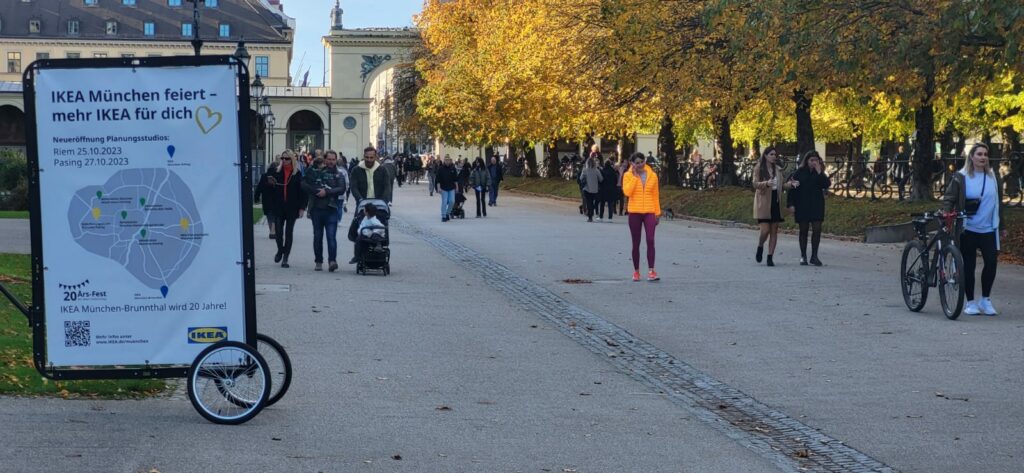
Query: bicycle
<point x="945" y="270"/>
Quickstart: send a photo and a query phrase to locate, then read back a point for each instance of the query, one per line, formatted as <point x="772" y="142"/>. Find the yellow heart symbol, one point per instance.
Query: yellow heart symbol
<point x="207" y="119"/>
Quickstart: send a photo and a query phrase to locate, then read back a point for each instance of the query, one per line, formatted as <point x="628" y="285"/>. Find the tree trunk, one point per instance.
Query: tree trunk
<point x="552" y="163"/>
<point x="1011" y="155"/>
<point x="726" y="153"/>
<point x="531" y="159"/>
<point x="924" y="152"/>
<point x="667" y="146"/>
<point x="804" y="127"/>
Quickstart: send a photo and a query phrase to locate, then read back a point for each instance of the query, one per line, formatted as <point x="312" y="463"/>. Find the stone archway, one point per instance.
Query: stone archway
<point x="12" y="128"/>
<point x="305" y="131"/>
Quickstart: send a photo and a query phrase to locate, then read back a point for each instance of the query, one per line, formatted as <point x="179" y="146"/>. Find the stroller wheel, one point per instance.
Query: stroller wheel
<point x="387" y="269"/>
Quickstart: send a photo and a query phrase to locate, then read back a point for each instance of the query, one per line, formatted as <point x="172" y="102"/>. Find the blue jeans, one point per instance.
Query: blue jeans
<point x="325" y="219"/>
<point x="494" y="193"/>
<point x="447" y="201"/>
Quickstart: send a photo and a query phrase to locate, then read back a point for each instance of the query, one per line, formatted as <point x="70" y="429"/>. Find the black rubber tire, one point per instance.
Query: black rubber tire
<point x="955" y="282"/>
<point x="914" y="253"/>
<point x="279" y="382"/>
<point x="252" y="409"/>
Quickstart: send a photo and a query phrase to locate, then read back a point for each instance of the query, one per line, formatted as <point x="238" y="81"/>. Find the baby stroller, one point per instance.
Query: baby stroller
<point x="372" y="250"/>
<point x="457" y="210"/>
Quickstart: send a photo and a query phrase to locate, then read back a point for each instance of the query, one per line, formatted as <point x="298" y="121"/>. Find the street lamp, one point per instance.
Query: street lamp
<point x="256" y="88"/>
<point x="197" y="44"/>
<point x="264" y="109"/>
<point x="242" y="53"/>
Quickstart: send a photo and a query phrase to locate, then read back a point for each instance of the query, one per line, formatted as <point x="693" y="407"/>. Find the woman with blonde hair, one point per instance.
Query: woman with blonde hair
<point x="976" y="190"/>
<point x="768" y="187"/>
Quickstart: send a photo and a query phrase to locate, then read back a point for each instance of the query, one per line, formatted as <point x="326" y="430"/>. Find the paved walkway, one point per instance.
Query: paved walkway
<point x="15" y="236"/>
<point x="722" y="366"/>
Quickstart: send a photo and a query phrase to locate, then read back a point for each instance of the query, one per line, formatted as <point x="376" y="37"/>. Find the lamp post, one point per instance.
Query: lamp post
<point x="267" y="114"/>
<point x="197" y="44"/>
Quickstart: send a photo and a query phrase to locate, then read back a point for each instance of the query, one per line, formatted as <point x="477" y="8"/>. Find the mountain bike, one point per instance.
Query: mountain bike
<point x="934" y="262"/>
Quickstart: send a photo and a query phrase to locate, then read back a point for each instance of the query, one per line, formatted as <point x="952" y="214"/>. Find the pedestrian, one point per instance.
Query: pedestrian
<point x="289" y="203"/>
<point x="640" y="185"/>
<point x="496" y="174"/>
<point x="590" y="180"/>
<point x="343" y="171"/>
<point x="343" y="164"/>
<point x="370" y="180"/>
<point x="432" y="165"/>
<point x="610" y="190"/>
<point x="622" y="169"/>
<point x="479" y="180"/>
<point x="807" y="203"/>
<point x="265" y="195"/>
<point x="324" y="187"/>
<point x="901" y="170"/>
<point x="768" y="187"/>
<point x="976" y="190"/>
<point x="464" y="171"/>
<point x="446" y="181"/>
<point x="392" y="172"/>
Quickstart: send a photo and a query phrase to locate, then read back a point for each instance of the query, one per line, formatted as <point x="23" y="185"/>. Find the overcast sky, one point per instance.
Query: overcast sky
<point x="313" y="21"/>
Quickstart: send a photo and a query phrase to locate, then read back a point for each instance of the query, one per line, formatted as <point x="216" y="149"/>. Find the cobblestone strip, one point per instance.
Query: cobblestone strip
<point x="788" y="443"/>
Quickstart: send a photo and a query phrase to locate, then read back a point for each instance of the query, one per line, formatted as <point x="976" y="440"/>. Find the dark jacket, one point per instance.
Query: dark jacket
<point x="478" y="178"/>
<point x="382" y="179"/>
<point x="446" y="177"/>
<point x="297" y="198"/>
<point x="464" y="178"/>
<point x="609" y="184"/>
<point x="266" y="195"/>
<point x="809" y="197"/>
<point x="331" y="181"/>
<point x="495" y="173"/>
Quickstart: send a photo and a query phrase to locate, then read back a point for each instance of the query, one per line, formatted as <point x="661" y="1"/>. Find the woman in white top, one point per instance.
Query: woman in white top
<point x="976" y="190"/>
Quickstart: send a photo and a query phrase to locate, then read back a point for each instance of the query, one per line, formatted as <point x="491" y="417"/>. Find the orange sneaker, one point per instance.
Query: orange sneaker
<point x="652" y="276"/>
<point x="636" y="276"/>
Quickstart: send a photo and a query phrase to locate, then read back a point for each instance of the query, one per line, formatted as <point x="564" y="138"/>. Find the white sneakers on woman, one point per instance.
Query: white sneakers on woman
<point x="983" y="306"/>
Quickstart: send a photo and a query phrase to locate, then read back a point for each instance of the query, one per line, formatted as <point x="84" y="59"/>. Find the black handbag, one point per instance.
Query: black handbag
<point x="971" y="206"/>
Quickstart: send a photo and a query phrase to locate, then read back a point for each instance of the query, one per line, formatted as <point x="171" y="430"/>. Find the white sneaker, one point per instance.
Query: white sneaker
<point x="972" y="308"/>
<point x="599" y="219"/>
<point x="987" y="308"/>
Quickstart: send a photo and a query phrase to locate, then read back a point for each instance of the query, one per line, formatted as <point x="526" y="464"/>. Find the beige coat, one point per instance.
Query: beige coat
<point x="763" y="194"/>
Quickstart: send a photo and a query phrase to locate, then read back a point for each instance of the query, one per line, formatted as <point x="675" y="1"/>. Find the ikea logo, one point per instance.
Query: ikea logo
<point x="207" y="334"/>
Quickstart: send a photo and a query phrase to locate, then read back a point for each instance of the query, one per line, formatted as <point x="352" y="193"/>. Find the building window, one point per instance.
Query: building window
<point x="99" y="54"/>
<point x="149" y="28"/>
<point x="186" y="29"/>
<point x="91" y="3"/>
<point x="111" y="27"/>
<point x="128" y="2"/>
<point x="14" y="62"/>
<point x="211" y="3"/>
<point x="42" y="56"/>
<point x="263" y="66"/>
<point x="34" y="26"/>
<point x="225" y="30"/>
<point x="174" y="3"/>
<point x="74" y="55"/>
<point x="72" y="27"/>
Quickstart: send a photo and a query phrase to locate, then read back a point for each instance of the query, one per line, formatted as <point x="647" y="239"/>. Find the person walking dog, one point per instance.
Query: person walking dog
<point x="640" y="185"/>
<point x="976" y="190"/>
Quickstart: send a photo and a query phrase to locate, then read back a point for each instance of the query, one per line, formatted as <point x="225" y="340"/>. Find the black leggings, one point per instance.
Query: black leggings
<point x="285" y="230"/>
<point x="815" y="237"/>
<point x="970" y="243"/>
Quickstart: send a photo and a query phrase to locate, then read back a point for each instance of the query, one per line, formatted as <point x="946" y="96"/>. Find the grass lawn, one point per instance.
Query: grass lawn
<point x="18" y="375"/>
<point x="846" y="217"/>
<point x="257" y="214"/>
<point x="13" y="213"/>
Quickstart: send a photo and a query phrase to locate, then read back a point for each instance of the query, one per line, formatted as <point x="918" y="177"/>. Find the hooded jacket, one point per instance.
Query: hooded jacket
<point x="365" y="188"/>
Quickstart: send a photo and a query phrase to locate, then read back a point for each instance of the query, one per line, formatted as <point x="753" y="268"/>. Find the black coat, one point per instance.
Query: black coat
<point x="809" y="198"/>
<point x="266" y="195"/>
<point x="297" y="198"/>
<point x="446" y="178"/>
<point x="609" y="184"/>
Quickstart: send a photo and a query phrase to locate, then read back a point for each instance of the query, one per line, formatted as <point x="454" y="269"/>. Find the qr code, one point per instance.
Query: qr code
<point x="77" y="333"/>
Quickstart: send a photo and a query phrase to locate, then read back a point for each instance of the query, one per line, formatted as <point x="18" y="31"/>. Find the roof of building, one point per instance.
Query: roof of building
<point x="254" y="20"/>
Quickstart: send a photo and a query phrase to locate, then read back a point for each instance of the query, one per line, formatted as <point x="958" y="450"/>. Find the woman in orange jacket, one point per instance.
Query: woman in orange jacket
<point x="640" y="186"/>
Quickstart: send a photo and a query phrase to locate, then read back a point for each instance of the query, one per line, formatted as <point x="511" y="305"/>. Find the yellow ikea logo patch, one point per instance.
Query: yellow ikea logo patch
<point x="207" y="334"/>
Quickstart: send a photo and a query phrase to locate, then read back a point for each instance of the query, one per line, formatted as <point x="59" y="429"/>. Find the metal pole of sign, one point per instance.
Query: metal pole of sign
<point x="14" y="300"/>
<point x="197" y="43"/>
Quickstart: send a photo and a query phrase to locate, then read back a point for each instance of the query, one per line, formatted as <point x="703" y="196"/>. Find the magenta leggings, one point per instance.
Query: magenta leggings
<point x="649" y="221"/>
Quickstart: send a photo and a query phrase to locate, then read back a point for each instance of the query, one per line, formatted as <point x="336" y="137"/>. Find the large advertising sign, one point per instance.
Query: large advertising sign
<point x="139" y="187"/>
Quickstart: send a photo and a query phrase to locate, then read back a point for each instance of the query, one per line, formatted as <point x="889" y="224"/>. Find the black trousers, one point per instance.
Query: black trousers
<point x="285" y="229"/>
<point x="606" y="203"/>
<point x="970" y="243"/>
<point x="481" y="201"/>
<point x="591" y="204"/>
<point x="815" y="227"/>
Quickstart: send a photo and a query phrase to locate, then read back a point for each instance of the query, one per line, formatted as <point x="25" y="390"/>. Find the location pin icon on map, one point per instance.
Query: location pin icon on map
<point x="170" y="151"/>
<point x="124" y="214"/>
<point x="143" y="233"/>
<point x="142" y="201"/>
<point x="99" y="194"/>
<point x="163" y="290"/>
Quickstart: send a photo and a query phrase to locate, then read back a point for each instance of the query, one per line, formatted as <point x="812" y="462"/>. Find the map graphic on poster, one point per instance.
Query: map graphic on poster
<point x="144" y="219"/>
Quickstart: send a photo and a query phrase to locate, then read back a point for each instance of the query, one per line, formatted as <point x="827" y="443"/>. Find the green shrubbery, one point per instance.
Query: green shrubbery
<point x="13" y="181"/>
